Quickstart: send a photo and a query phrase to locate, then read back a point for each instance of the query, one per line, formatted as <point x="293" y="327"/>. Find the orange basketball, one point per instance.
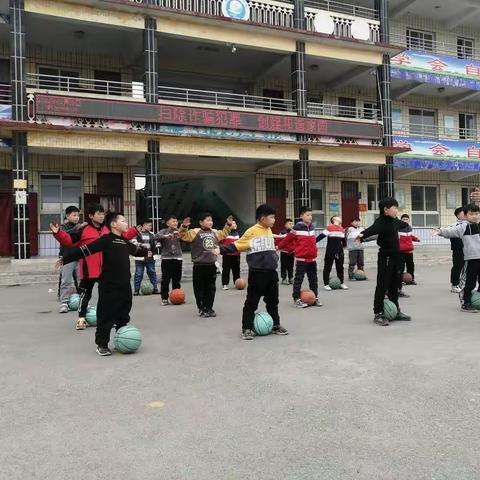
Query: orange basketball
<point x="240" y="283"/>
<point x="407" y="278"/>
<point x="307" y="296"/>
<point x="177" y="296"/>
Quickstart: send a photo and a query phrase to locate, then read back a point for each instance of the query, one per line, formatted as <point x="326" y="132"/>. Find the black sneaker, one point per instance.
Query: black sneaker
<point x="103" y="351"/>
<point x="279" y="330"/>
<point x="379" y="319"/>
<point x="248" y="334"/>
<point x="290" y="281"/>
<point x="402" y="294"/>
<point x="413" y="282"/>
<point x="210" y="313"/>
<point x="469" y="308"/>
<point x="156" y="292"/>
<point x="136" y="294"/>
<point x="164" y="301"/>
<point x="201" y="313"/>
<point x="401" y="317"/>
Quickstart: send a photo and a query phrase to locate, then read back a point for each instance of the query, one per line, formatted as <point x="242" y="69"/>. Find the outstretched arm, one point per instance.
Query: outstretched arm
<point x="77" y="253"/>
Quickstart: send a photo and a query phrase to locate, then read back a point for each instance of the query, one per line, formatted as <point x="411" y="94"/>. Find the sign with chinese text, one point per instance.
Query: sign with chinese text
<point x="430" y="67"/>
<point x="429" y="153"/>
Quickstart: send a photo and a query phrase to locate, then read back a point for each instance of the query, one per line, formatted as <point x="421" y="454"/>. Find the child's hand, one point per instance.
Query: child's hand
<point x="187" y="222"/>
<point x="81" y="225"/>
<point x="59" y="264"/>
<point x="54" y="228"/>
<point x="233" y="225"/>
<point x="435" y="232"/>
<point x="475" y="196"/>
<point x="216" y="251"/>
<point x="230" y="220"/>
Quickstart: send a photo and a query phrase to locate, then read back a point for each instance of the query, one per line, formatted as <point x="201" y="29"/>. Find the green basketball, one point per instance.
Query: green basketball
<point x="263" y="323"/>
<point x="359" y="275"/>
<point x="476" y="299"/>
<point x="127" y="339"/>
<point x="74" y="301"/>
<point x="390" y="310"/>
<point x="335" y="283"/>
<point x="91" y="316"/>
<point x="146" y="288"/>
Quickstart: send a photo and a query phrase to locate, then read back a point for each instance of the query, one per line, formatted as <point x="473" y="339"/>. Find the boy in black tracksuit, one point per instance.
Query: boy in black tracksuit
<point x="457" y="255"/>
<point x="287" y="259"/>
<point x="386" y="226"/>
<point x="114" y="289"/>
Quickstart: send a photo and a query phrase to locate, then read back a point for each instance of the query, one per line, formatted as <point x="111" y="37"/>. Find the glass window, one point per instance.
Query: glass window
<point x="424" y="206"/>
<point x="422" y="122"/>
<point x="420" y="40"/>
<point x="465" y="47"/>
<point x="466" y="191"/>
<point x="56" y="78"/>
<point x="347" y="107"/>
<point x="372" y="196"/>
<point x="467" y="128"/>
<point x="317" y="192"/>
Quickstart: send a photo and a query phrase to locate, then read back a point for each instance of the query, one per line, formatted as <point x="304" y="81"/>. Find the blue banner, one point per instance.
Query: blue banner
<point x="430" y="67"/>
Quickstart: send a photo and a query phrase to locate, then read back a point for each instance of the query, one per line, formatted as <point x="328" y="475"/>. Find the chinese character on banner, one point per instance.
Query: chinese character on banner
<point x="234" y="119"/>
<point x="437" y="65"/>
<point x="195" y="117"/>
<point x="179" y="115"/>
<point x="322" y="126"/>
<point x="472" y="70"/>
<point x="221" y="119"/>
<point x="439" y="149"/>
<point x="473" y="152"/>
<point x="166" y="114"/>
<point x="208" y="117"/>
<point x="300" y="125"/>
<point x="262" y="121"/>
<point x="311" y="126"/>
<point x="401" y="59"/>
<point x="275" y="123"/>
<point x="288" y="123"/>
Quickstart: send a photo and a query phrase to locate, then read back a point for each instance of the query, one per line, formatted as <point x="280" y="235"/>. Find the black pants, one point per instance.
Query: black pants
<point x="171" y="272"/>
<point x="329" y="259"/>
<point x="204" y="277"/>
<point x="406" y="261"/>
<point x="302" y="268"/>
<point x="388" y="280"/>
<point x="355" y="259"/>
<point x="471" y="280"/>
<point x="287" y="260"/>
<point x="230" y="263"/>
<point x="261" y="284"/>
<point x="113" y="309"/>
<point x="458" y="263"/>
<point x="85" y="288"/>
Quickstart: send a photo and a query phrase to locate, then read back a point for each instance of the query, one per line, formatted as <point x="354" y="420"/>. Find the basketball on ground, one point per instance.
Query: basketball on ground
<point x="263" y="323"/>
<point x="240" y="283"/>
<point x="407" y="278"/>
<point x="146" y="288"/>
<point x="335" y="283"/>
<point x="476" y="299"/>
<point x="359" y="275"/>
<point x="307" y="296"/>
<point x="127" y="339"/>
<point x="177" y="296"/>
<point x="390" y="310"/>
<point x="91" y="316"/>
<point x="74" y="301"/>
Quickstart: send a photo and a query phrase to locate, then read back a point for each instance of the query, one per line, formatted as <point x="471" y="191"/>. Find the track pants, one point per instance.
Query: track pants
<point x="204" y="277"/>
<point x="287" y="261"/>
<point x="68" y="284"/>
<point x="472" y="277"/>
<point x="458" y="263"/>
<point x="406" y="261"/>
<point x="85" y="288"/>
<point x="230" y="263"/>
<point x="329" y="259"/>
<point x="388" y="280"/>
<point x="302" y="268"/>
<point x="171" y="272"/>
<point x="355" y="259"/>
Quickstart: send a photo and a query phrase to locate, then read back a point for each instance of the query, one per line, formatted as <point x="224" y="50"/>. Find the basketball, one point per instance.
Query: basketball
<point x="74" y="301"/>
<point x="177" y="296"/>
<point x="146" y="288"/>
<point x="335" y="283"/>
<point x="240" y="283"/>
<point x="407" y="278"/>
<point x="359" y="275"/>
<point x="390" y="310"/>
<point x="263" y="323"/>
<point x="91" y="316"/>
<point x="127" y="339"/>
<point x="476" y="299"/>
<point x="308" y="297"/>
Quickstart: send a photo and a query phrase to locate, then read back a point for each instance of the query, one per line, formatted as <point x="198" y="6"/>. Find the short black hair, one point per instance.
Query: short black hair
<point x="387" y="202"/>
<point x="264" y="210"/>
<point x="71" y="209"/>
<point x="334" y="216"/>
<point x="111" y="217"/>
<point x="146" y="221"/>
<point x="305" y="209"/>
<point x="471" y="207"/>
<point x="93" y="208"/>
<point x="405" y="215"/>
<point x="287" y="220"/>
<point x="355" y="219"/>
<point x="204" y="215"/>
<point x="170" y="217"/>
<point x="458" y="210"/>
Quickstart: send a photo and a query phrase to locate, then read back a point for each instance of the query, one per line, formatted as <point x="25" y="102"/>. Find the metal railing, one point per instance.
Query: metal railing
<point x="211" y="97"/>
<point x="84" y="85"/>
<point x="435" y="131"/>
<point x="5" y="94"/>
<point x="326" y="110"/>
<point x="346" y="8"/>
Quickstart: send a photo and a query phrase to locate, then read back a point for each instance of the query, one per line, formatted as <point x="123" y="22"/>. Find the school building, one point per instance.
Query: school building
<point x="176" y="106"/>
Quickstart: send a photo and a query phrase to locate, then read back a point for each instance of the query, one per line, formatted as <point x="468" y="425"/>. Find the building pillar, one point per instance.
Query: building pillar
<point x="299" y="15"/>
<point x="150" y="53"/>
<point x="20" y="221"/>
<point x="301" y="176"/>
<point x="386" y="171"/>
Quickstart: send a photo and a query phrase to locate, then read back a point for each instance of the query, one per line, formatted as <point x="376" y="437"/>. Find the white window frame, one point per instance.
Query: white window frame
<point x="425" y="212"/>
<point x="416" y="43"/>
<point x="465" y="52"/>
<point x="319" y="185"/>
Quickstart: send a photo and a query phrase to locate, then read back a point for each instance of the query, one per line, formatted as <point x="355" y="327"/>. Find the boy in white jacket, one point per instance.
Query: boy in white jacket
<point x="355" y="249"/>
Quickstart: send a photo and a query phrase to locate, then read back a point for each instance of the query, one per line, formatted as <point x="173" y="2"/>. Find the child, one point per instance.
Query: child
<point x="114" y="289"/>
<point x="172" y="257"/>
<point x="355" y="249"/>
<point x="469" y="232"/>
<point x="302" y="240"/>
<point x="386" y="226"/>
<point x="406" y="249"/>
<point x="334" y="253"/>
<point x="145" y="239"/>
<point x="91" y="267"/>
<point x="231" y="261"/>
<point x="69" y="273"/>
<point x="204" y="240"/>
<point x="287" y="259"/>
<point x="262" y="260"/>
<point x="457" y="254"/>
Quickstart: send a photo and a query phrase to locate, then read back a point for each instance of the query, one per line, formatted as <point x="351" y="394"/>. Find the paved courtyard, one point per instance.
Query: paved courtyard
<point x="339" y="398"/>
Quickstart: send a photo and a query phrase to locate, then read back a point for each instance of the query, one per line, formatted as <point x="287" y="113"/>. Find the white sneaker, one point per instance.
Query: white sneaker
<point x="327" y="287"/>
<point x="225" y="287"/>
<point x="455" y="289"/>
<point x="63" y="308"/>
<point x="343" y="286"/>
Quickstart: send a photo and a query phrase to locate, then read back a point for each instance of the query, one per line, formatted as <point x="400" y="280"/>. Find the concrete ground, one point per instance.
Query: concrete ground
<point x="339" y="398"/>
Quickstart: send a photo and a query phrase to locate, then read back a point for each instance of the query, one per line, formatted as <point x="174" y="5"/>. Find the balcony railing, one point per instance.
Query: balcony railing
<point x="5" y="94"/>
<point x="340" y="111"/>
<point x="340" y="7"/>
<point x="188" y="95"/>
<point x="85" y="85"/>
<point x="434" y="131"/>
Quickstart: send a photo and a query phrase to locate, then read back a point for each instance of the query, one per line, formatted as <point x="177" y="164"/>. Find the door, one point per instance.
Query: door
<point x="33" y="223"/>
<point x="108" y="82"/>
<point x="350" y="206"/>
<point x="276" y="193"/>
<point x="6" y="207"/>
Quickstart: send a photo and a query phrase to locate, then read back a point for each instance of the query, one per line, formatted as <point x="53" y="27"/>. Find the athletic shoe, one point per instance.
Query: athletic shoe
<point x="136" y="294"/>
<point x="210" y="313"/>
<point x="164" y="301"/>
<point x="402" y="294"/>
<point x="225" y="287"/>
<point x="327" y="287"/>
<point x="352" y="279"/>
<point x="103" y="351"/>
<point x="379" y="319"/>
<point x="63" y="308"/>
<point x="456" y="289"/>
<point x="343" y="286"/>
<point x="279" y="330"/>
<point x="401" y="317"/>
<point x="468" y="308"/>
<point x="317" y="303"/>
<point x="300" y="304"/>
<point x="247" y="334"/>
<point x="156" y="292"/>
<point x="201" y="313"/>
<point x="285" y="281"/>
<point x="413" y="282"/>
<point x="290" y="281"/>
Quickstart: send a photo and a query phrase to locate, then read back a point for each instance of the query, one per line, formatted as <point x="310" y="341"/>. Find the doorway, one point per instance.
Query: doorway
<point x="350" y="207"/>
<point x="276" y="195"/>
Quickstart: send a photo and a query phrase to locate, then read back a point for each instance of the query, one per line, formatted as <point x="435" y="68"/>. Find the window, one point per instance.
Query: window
<point x="467" y="126"/>
<point x="424" y="206"/>
<point x="57" y="192"/>
<point x="466" y="191"/>
<point x="372" y="196"/>
<point x="422" y="122"/>
<point x="108" y="83"/>
<point x="317" y="192"/>
<point x="57" y="78"/>
<point x="370" y="111"/>
<point x="465" y="47"/>
<point x="347" y="107"/>
<point x="420" y="40"/>
<point x="397" y="120"/>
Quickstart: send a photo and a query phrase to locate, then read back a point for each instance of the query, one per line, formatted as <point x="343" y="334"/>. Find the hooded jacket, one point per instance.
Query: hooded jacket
<point x="407" y="238"/>
<point x="469" y="233"/>
<point x="302" y="241"/>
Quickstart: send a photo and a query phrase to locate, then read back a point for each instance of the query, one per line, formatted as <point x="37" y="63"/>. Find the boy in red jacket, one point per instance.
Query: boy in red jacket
<point x="302" y="240"/>
<point x="407" y="238"/>
<point x="90" y="267"/>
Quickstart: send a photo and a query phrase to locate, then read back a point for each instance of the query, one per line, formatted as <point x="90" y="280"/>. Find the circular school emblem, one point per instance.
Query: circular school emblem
<point x="208" y="243"/>
<point x="237" y="9"/>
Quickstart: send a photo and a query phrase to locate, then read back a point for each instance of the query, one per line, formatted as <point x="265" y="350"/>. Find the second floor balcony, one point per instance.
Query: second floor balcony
<point x="436" y="132"/>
